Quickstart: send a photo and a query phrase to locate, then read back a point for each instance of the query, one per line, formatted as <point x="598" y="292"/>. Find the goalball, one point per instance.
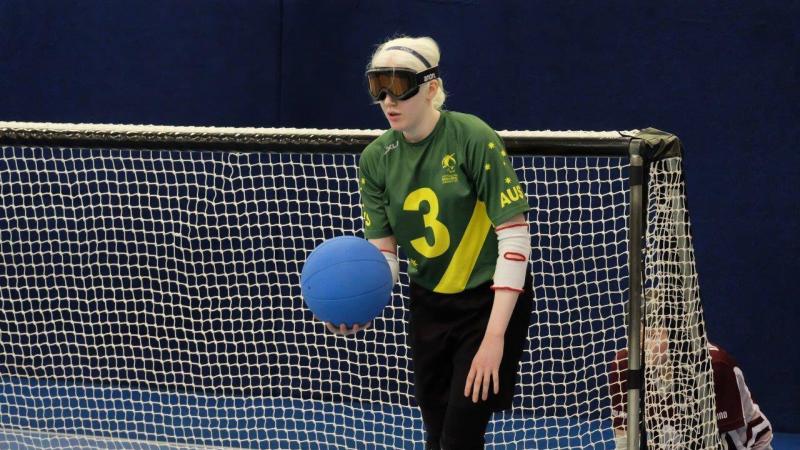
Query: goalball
<point x="346" y="280"/>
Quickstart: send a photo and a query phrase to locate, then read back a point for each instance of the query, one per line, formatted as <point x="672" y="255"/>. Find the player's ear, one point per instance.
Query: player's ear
<point x="433" y="88"/>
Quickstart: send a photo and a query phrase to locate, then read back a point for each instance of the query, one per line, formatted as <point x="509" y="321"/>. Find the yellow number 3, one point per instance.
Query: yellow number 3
<point x="441" y="237"/>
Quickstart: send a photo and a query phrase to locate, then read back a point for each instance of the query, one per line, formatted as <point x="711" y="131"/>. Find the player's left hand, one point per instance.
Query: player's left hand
<point x="343" y="330"/>
<point x="485" y="370"/>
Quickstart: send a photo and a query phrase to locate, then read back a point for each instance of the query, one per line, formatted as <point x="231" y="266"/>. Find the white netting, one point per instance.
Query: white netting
<point x="152" y="296"/>
<point x="679" y="385"/>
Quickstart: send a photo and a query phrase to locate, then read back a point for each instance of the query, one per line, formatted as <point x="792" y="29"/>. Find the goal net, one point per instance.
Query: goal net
<point x="149" y="293"/>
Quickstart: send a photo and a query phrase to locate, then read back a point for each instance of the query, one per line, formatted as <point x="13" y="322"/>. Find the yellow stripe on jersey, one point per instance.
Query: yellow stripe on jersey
<point x="457" y="275"/>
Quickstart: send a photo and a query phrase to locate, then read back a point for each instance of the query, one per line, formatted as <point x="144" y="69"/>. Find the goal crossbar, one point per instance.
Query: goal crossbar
<point x="563" y="143"/>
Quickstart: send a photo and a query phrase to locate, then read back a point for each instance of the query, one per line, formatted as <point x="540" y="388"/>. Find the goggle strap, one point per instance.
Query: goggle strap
<point x="412" y="51"/>
<point x="427" y="75"/>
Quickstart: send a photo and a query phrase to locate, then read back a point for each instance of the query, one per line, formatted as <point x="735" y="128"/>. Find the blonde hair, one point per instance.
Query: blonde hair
<point x="425" y="46"/>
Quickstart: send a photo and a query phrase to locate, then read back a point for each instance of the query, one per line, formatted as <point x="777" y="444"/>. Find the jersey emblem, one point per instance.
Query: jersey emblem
<point x="449" y="168"/>
<point x="389" y="147"/>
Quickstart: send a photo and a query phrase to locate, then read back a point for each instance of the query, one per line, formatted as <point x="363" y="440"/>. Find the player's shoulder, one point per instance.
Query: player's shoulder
<point x="617" y="367"/>
<point x="468" y="125"/>
<point x="380" y="146"/>
<point x="470" y="133"/>
<point x="621" y="358"/>
<point x="720" y="358"/>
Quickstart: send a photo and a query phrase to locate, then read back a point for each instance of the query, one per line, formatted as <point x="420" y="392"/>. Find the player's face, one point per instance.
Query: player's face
<point x="656" y="341"/>
<point x="406" y="115"/>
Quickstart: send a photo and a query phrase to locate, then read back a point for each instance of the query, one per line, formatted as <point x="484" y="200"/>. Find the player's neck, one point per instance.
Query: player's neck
<point x="424" y="128"/>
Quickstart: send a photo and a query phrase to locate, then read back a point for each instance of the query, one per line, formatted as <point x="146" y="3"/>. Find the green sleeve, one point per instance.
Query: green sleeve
<point x="493" y="176"/>
<point x="372" y="186"/>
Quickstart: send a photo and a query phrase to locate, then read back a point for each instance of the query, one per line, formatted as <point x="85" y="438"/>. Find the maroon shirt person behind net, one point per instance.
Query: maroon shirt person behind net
<point x="741" y="423"/>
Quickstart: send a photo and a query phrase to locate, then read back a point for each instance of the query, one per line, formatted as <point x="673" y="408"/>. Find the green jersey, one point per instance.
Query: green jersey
<point x="440" y="197"/>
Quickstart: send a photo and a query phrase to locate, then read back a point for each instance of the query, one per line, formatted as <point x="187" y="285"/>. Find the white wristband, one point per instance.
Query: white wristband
<point x="514" y="249"/>
<point x="394" y="265"/>
<point x="620" y="440"/>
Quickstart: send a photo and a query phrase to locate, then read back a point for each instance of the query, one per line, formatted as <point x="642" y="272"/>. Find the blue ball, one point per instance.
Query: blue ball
<point x="346" y="280"/>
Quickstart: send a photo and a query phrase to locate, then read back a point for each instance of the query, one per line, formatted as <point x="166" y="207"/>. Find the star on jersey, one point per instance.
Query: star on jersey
<point x="491" y="145"/>
<point x="487" y="167"/>
<point x="363" y="180"/>
<point x="508" y="180"/>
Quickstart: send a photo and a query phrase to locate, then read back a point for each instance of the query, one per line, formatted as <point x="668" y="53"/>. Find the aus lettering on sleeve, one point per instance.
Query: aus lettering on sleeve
<point x="511" y="195"/>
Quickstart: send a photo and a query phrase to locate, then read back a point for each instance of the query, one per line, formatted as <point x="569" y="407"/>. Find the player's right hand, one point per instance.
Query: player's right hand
<point x="344" y="331"/>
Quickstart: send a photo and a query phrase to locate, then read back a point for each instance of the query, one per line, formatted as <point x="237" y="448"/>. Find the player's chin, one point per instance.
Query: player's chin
<point x="396" y="122"/>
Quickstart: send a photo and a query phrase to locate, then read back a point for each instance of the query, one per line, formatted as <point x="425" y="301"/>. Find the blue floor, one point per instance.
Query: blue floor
<point x="23" y="440"/>
<point x="238" y="422"/>
<point x="35" y="414"/>
<point x="49" y="415"/>
<point x="785" y="441"/>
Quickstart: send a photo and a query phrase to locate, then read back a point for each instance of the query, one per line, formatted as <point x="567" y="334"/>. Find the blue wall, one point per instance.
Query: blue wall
<point x="724" y="76"/>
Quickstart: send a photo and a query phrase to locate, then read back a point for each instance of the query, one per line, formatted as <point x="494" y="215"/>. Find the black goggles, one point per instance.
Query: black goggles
<point x="398" y="82"/>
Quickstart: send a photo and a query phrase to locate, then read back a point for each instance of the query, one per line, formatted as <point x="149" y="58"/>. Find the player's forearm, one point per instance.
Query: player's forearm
<point x="514" y="249"/>
<point x="509" y="278"/>
<point x="388" y="247"/>
<point x="764" y="442"/>
<point x="502" y="308"/>
<point x="388" y="243"/>
<point x="620" y="439"/>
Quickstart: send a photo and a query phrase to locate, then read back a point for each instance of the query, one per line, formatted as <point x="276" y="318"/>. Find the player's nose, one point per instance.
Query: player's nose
<point x="388" y="100"/>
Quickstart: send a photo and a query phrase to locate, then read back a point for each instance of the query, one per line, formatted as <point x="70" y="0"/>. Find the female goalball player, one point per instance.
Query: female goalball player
<point x="439" y="184"/>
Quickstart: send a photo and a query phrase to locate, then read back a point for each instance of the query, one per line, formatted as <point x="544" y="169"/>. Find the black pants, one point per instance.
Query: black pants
<point x="446" y="331"/>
